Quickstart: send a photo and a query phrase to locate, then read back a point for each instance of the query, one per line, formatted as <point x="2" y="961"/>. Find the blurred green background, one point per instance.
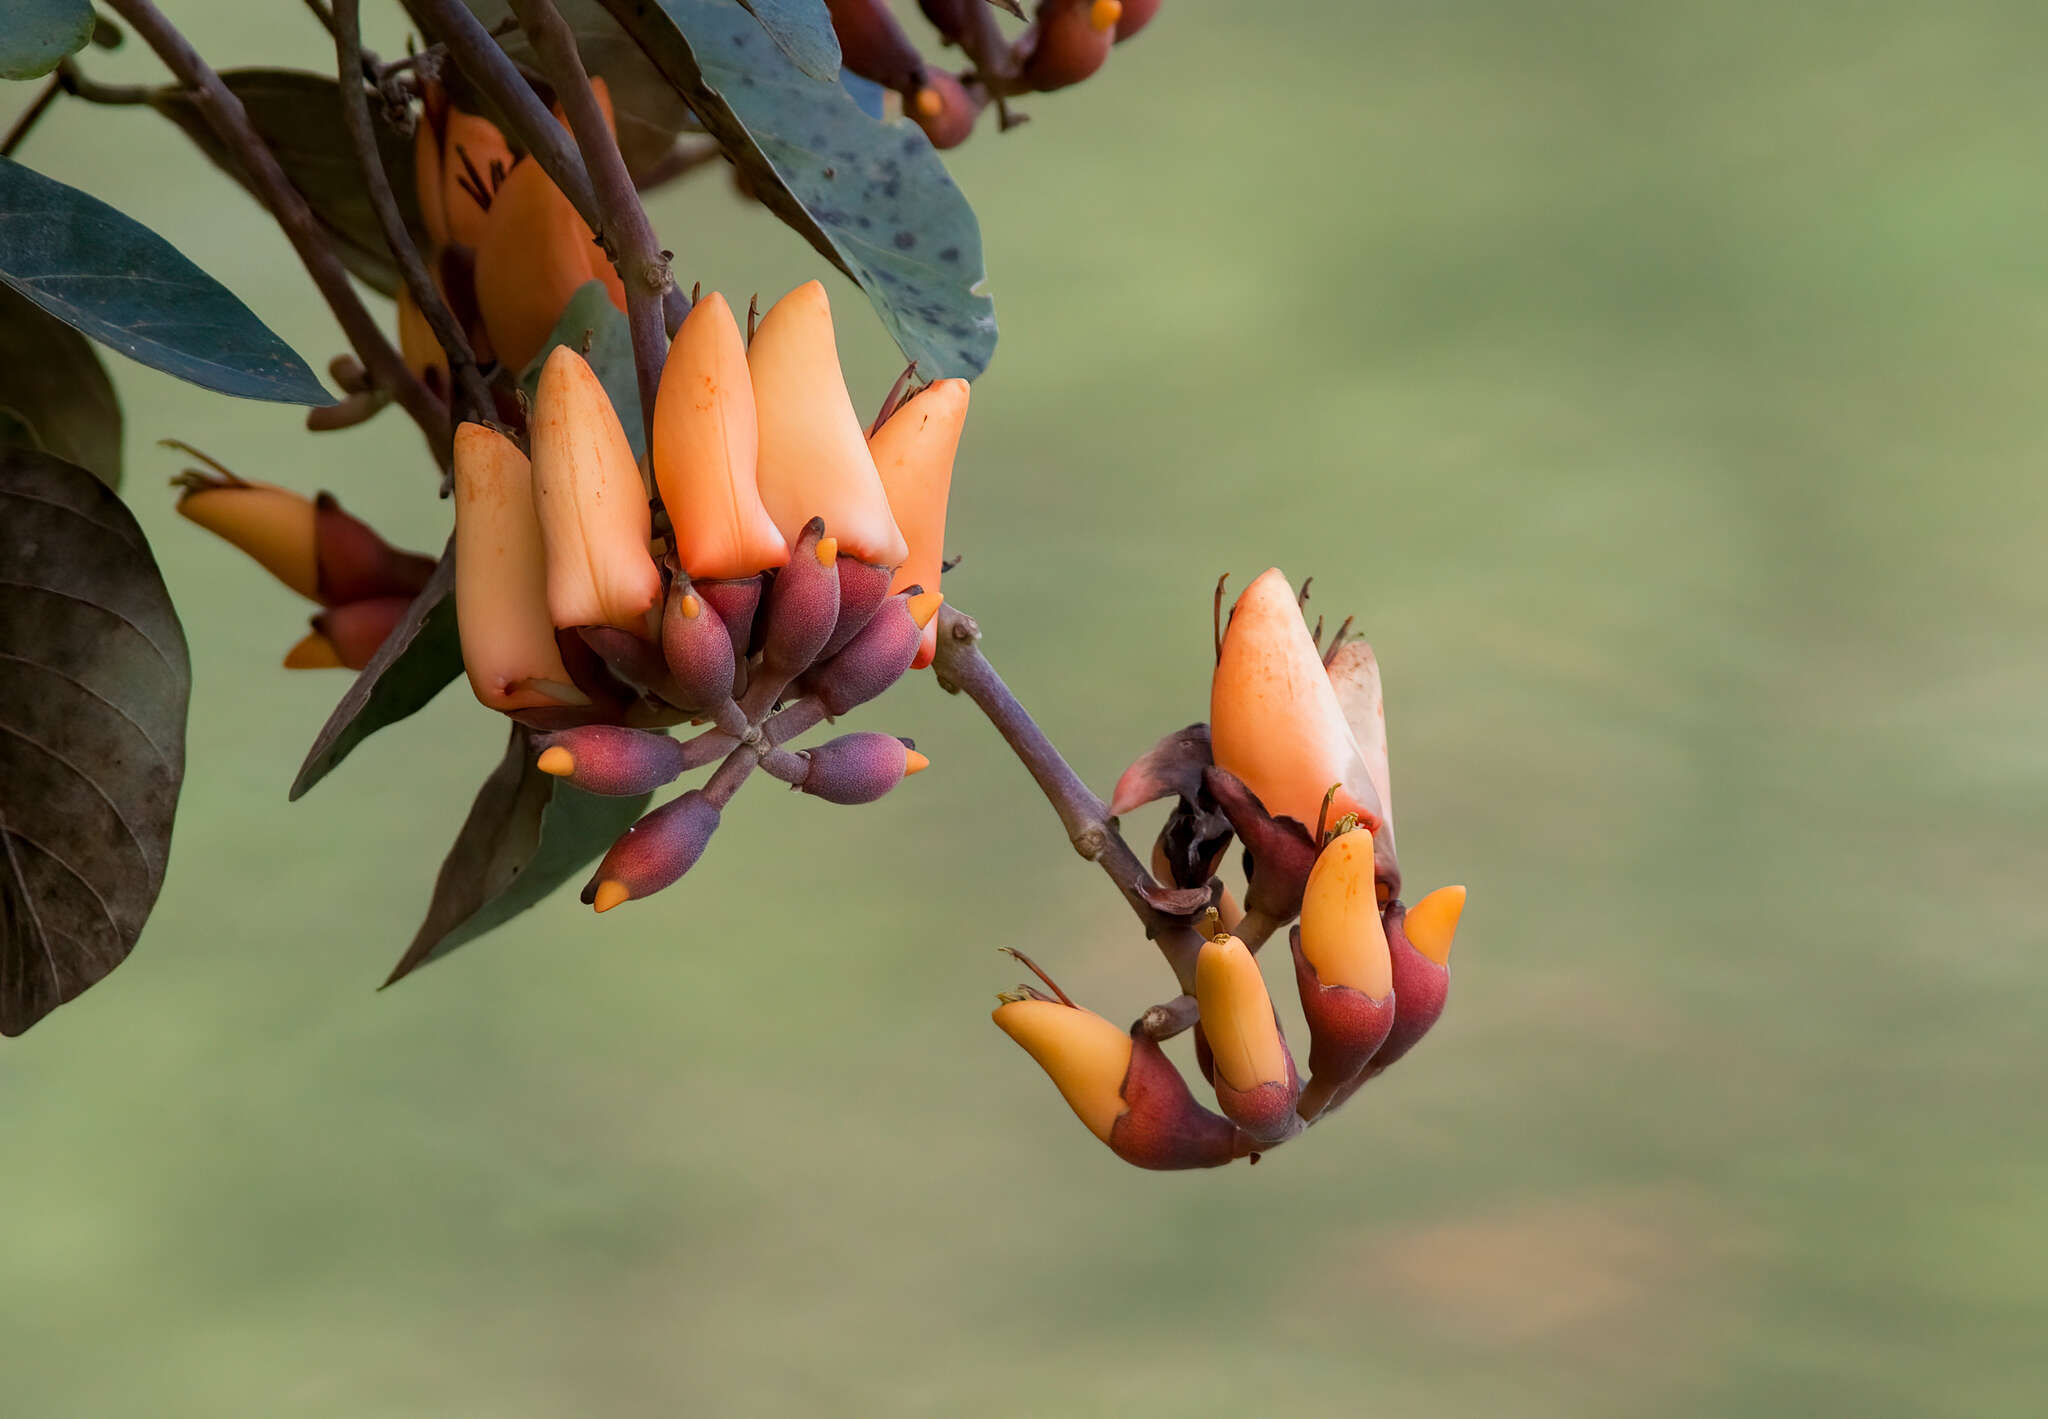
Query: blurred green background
<point x="1660" y="383"/>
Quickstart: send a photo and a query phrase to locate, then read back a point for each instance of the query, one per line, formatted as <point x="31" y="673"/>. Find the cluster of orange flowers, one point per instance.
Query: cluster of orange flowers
<point x="1294" y="761"/>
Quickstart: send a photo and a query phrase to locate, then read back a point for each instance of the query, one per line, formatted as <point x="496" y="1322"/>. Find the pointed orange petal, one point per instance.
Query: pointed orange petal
<point x="314" y="652"/>
<point x="1432" y="923"/>
<point x="273" y="525"/>
<point x="913" y="455"/>
<point x="1237" y="1016"/>
<point x="1086" y="1056"/>
<point x="501" y="589"/>
<point x="1341" y="934"/>
<point x="594" y="519"/>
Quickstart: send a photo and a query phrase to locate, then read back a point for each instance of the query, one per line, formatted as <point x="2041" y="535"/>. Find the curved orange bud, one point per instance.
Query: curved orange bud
<point x="592" y="504"/>
<point x="1432" y="923"/>
<point x="273" y="525"/>
<point x="1341" y="933"/>
<point x="314" y="652"/>
<point x="1105" y="14"/>
<point x="1237" y="1016"/>
<point x="1274" y="720"/>
<point x="417" y="343"/>
<point x="501" y="590"/>
<point x="913" y="455"/>
<point x="814" y="459"/>
<point x="1085" y="1055"/>
<point x="474" y="158"/>
<point x="705" y="450"/>
<point x="532" y="254"/>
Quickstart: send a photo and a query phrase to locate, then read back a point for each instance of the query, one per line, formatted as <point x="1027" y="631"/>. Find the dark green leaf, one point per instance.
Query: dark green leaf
<point x="93" y="698"/>
<point x="590" y="315"/>
<point x="417" y="660"/>
<point x="35" y="34"/>
<point x="299" y="116"/>
<point x="802" y="30"/>
<point x="56" y="391"/>
<point x="872" y="196"/>
<point x="526" y="834"/>
<point x="110" y="277"/>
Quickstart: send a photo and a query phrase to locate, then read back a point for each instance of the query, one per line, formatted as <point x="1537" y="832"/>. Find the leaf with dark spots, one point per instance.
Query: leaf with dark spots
<point x="54" y="393"/>
<point x="802" y="30"/>
<point x="417" y="660"/>
<point x="111" y="278"/>
<point x="299" y="115"/>
<point x="527" y="834"/>
<point x="94" y="687"/>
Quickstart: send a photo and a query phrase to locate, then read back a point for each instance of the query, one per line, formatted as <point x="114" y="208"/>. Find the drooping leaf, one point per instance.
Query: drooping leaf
<point x="872" y="196"/>
<point x="415" y="663"/>
<point x="111" y="278"/>
<point x="299" y="115"/>
<point x="36" y="34"/>
<point x="590" y="315"/>
<point x="94" y="686"/>
<point x="802" y="30"/>
<point x="526" y="834"/>
<point x="56" y="391"/>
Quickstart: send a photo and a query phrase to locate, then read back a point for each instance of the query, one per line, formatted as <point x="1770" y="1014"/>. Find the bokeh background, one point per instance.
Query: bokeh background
<point x="1660" y="383"/>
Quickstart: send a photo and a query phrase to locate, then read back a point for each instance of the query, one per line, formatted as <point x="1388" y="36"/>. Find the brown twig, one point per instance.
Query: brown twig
<point x="474" y="394"/>
<point x="230" y="122"/>
<point x="623" y="226"/>
<point x="961" y="667"/>
<point x="30" y="115"/>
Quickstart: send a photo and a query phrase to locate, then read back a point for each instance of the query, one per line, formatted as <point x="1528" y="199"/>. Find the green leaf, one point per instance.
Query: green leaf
<point x="801" y="29"/>
<point x="299" y="115"/>
<point x="56" y="391"/>
<point x="36" y="34"/>
<point x="590" y="316"/>
<point x="415" y="663"/>
<point x="871" y="196"/>
<point x="93" y="700"/>
<point x="110" y="277"/>
<point x="526" y="834"/>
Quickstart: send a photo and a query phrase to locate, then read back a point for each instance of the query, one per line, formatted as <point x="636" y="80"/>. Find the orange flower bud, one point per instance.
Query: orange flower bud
<point x="1274" y="720"/>
<point x="913" y="455"/>
<point x="1341" y="934"/>
<point x="1252" y="1070"/>
<point x="814" y="459"/>
<point x="943" y="109"/>
<point x="1085" y="1055"/>
<point x="531" y="256"/>
<point x="474" y="159"/>
<point x="705" y="449"/>
<point x="1073" y="40"/>
<point x="501" y="589"/>
<point x="594" y="519"/>
<point x="272" y="524"/>
<point x="1432" y="923"/>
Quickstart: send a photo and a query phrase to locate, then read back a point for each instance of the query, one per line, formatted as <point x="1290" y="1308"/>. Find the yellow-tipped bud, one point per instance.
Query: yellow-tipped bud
<point x="1085" y="1055"/>
<point x="610" y="894"/>
<point x="501" y="592"/>
<point x="827" y="551"/>
<point x="923" y="607"/>
<point x="557" y="761"/>
<point x="1341" y="934"/>
<point x="691" y="608"/>
<point x="594" y="519"/>
<point x="1432" y="923"/>
<point x="928" y="102"/>
<point x="314" y="652"/>
<point x="914" y="452"/>
<point x="1104" y="14"/>
<point x="273" y="525"/>
<point x="914" y="763"/>
<point x="814" y="459"/>
<point x="706" y="450"/>
<point x="1274" y="719"/>
<point x="1237" y="1016"/>
<point x="533" y="254"/>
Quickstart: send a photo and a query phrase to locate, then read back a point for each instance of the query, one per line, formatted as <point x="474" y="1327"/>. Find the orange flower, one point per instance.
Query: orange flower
<point x="532" y="254"/>
<point x="501" y="591"/>
<point x="913" y="455"/>
<point x="814" y="459"/>
<point x="592" y="504"/>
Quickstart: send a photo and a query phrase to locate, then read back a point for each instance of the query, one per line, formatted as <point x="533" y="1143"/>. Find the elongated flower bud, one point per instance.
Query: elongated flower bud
<point x="475" y="164"/>
<point x="610" y="759"/>
<point x="1253" y="1072"/>
<point x="654" y="852"/>
<point x="1419" y="948"/>
<point x="353" y="563"/>
<point x="1355" y="676"/>
<point x="814" y="459"/>
<point x="1073" y="40"/>
<point x="593" y="507"/>
<point x="1342" y="967"/>
<point x="803" y="602"/>
<point x="501" y="594"/>
<point x="697" y="648"/>
<point x="273" y="525"/>
<point x="706" y="448"/>
<point x="943" y="109"/>
<point x="876" y="658"/>
<point x="859" y="768"/>
<point x="1274" y="720"/>
<point x="533" y="254"/>
<point x="736" y="601"/>
<point x="914" y="452"/>
<point x="862" y="589"/>
<point x="1121" y="1085"/>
